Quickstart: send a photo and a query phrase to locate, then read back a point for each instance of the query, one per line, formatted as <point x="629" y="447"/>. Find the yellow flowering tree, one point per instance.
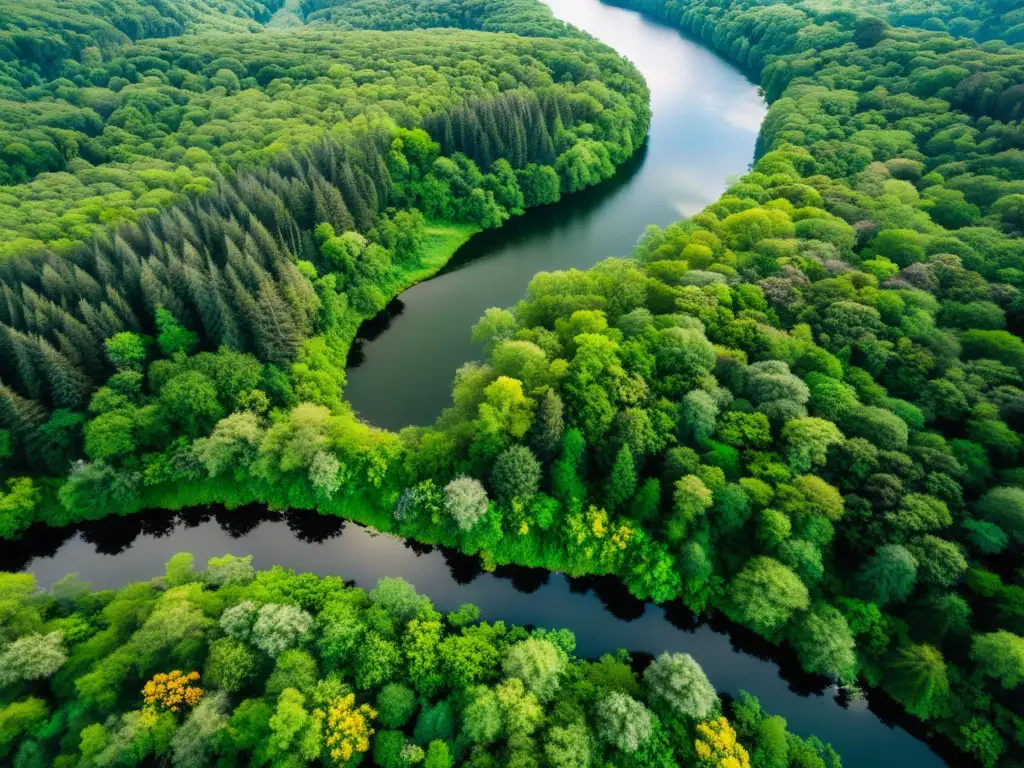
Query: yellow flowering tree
<point x="173" y="690"/>
<point x="717" y="746"/>
<point x="348" y="728"/>
<point x="594" y="539"/>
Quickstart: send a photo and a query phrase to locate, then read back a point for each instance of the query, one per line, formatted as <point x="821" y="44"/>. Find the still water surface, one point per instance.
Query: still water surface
<point x="705" y="122"/>
<point x="603" y="616"/>
<point x="706" y="115"/>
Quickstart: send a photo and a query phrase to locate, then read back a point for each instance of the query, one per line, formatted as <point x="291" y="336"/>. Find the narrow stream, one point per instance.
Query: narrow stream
<point x="706" y="117"/>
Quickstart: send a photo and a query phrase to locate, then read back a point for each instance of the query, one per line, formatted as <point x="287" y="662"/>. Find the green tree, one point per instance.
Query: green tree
<point x="622" y="721"/>
<point x="889" y="575"/>
<point x="621" y="483"/>
<point x="230" y="665"/>
<point x="675" y="681"/>
<point x="538" y="663"/>
<point x="465" y="501"/>
<point x="395" y="705"/>
<point x="1004" y="507"/>
<point x="280" y="627"/>
<point x="173" y="338"/>
<point x="765" y="595"/>
<point x="824" y="643"/>
<point x="917" y="678"/>
<point x="516" y="475"/>
<point x="1000" y="655"/>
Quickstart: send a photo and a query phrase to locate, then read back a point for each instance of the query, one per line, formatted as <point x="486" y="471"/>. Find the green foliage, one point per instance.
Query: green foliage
<point x="811" y="390"/>
<point x="676" y="683"/>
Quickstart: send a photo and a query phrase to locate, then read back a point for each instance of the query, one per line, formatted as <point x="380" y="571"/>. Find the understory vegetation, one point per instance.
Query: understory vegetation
<point x="233" y="666"/>
<point x="800" y="408"/>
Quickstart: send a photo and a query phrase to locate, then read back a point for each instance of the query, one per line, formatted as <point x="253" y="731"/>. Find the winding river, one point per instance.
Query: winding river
<point x="705" y="121"/>
<point x="706" y="117"/>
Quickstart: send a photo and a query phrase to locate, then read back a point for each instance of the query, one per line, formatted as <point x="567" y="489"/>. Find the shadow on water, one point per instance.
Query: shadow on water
<point x="537" y="223"/>
<point x="599" y="609"/>
<point x="533" y="226"/>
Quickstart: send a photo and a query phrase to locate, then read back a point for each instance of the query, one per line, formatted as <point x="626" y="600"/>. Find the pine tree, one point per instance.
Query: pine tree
<point x="69" y="387"/>
<point x="277" y="338"/>
<point x="26" y="358"/>
<point x="22" y="418"/>
<point x="362" y="215"/>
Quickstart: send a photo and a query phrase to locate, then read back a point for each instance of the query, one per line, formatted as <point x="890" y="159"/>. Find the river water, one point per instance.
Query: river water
<point x="705" y="122"/>
<point x="706" y="115"/>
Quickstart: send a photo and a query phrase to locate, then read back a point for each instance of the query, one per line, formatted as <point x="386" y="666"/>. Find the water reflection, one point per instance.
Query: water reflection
<point x="703" y="131"/>
<point x="604" y="616"/>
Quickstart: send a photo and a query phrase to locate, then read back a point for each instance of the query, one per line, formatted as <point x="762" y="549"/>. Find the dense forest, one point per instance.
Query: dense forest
<point x="799" y="409"/>
<point x="233" y="666"/>
<point x="522" y="17"/>
<point x="112" y="140"/>
<point x="992" y="20"/>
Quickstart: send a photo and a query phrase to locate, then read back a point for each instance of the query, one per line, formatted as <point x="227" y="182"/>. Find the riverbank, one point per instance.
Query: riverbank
<point x="599" y="611"/>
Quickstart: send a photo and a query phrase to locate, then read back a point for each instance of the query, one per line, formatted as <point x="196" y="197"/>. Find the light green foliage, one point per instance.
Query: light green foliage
<point x="377" y="661"/>
<point x="295" y="731"/>
<point x="237" y="621"/>
<point x="32" y="657"/>
<point x="398" y="599"/>
<point x="538" y="663"/>
<point x="194" y="742"/>
<point x="292" y="669"/>
<point x="230" y="665"/>
<point x="280" y="627"/>
<point x="824" y="642"/>
<point x="622" y="721"/>
<point x="1000" y="655"/>
<point x="676" y="682"/>
<point x="230" y="570"/>
<point x="568" y="746"/>
<point x="919" y="679"/>
<point x="482" y="717"/>
<point x="765" y="595"/>
<point x="466" y="501"/>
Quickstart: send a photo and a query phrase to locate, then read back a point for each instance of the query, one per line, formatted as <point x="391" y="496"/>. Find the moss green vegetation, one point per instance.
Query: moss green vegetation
<point x="232" y="666"/>
<point x="800" y="409"/>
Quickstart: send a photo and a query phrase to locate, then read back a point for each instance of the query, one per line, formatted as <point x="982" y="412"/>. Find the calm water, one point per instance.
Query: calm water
<point x="706" y="117"/>
<point x="705" y="121"/>
<point x="603" y="616"/>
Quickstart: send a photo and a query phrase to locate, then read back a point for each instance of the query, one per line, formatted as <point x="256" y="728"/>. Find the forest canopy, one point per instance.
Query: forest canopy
<point x="234" y="666"/>
<point x="799" y="409"/>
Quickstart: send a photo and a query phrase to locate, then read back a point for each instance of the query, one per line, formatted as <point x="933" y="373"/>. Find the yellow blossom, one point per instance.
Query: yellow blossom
<point x="717" y="746"/>
<point x="173" y="690"/>
<point x="348" y="728"/>
<point x="622" y="536"/>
